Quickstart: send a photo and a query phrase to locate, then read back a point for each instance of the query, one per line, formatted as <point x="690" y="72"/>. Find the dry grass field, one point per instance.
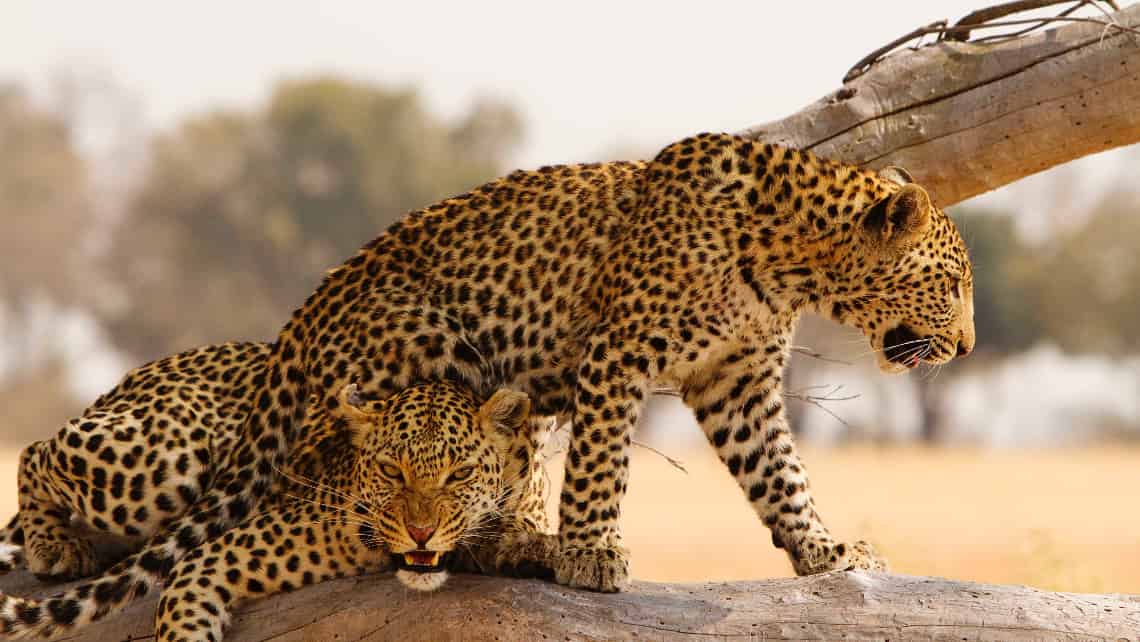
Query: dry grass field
<point x="1055" y="519"/>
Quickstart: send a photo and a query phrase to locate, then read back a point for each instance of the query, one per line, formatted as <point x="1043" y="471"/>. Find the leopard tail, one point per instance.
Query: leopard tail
<point x="11" y="546"/>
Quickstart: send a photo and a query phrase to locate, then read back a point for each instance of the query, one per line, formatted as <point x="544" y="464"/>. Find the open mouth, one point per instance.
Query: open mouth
<point x="420" y="561"/>
<point x="902" y="346"/>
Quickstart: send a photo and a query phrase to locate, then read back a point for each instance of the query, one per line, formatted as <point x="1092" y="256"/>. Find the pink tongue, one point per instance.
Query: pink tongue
<point x="422" y="558"/>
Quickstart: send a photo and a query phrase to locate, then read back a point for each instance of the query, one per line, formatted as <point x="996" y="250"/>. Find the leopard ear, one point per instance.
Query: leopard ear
<point x="350" y="403"/>
<point x="896" y="175"/>
<point x="897" y="222"/>
<point x="505" y="413"/>
<point x="355" y="410"/>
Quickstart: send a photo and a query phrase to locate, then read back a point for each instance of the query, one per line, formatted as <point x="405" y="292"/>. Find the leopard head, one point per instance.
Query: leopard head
<point x="431" y="468"/>
<point x="911" y="290"/>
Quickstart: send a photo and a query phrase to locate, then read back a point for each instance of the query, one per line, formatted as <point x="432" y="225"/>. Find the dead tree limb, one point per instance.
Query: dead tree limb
<point x="966" y="118"/>
<point x="835" y="606"/>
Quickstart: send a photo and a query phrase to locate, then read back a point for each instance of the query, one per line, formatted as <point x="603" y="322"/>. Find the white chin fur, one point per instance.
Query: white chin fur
<point x="421" y="581"/>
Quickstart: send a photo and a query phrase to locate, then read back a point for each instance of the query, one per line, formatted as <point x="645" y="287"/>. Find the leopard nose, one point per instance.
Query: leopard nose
<point x="420" y="534"/>
<point x="963" y="349"/>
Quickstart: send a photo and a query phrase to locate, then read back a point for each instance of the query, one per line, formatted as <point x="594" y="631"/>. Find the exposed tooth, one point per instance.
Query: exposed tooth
<point x="416" y="558"/>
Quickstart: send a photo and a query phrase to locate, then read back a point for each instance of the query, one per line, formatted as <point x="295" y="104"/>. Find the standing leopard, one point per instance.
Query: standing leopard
<point x="587" y="285"/>
<point x="421" y="481"/>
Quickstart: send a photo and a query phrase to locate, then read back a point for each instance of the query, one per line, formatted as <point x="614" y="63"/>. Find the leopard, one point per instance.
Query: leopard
<point x="138" y="457"/>
<point x="590" y="286"/>
<point x="421" y="483"/>
<point x="11" y="546"/>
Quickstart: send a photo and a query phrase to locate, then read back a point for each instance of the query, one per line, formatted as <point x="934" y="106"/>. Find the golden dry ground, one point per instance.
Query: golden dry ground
<point x="1056" y="519"/>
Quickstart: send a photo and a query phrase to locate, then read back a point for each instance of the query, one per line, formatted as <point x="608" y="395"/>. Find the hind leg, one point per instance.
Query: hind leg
<point x="54" y="550"/>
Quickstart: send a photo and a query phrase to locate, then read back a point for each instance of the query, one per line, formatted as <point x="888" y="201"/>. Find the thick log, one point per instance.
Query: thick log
<point x="966" y="118"/>
<point x="847" y="606"/>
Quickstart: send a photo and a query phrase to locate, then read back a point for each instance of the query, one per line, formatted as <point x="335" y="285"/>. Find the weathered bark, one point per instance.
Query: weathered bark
<point x="848" y="606"/>
<point x="966" y="118"/>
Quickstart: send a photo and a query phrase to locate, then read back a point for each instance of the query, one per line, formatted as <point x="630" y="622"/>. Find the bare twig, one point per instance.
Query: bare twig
<point x="803" y="394"/>
<point x="987" y="19"/>
<point x="989" y="14"/>
<point x="1022" y="32"/>
<point x="818" y="401"/>
<point x="808" y="352"/>
<point x="676" y="463"/>
<point x="865" y="63"/>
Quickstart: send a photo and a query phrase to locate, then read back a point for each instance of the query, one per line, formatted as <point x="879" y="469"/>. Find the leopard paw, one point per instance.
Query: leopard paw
<point x="822" y="557"/>
<point x="527" y="554"/>
<point x="604" y="569"/>
<point x="861" y="556"/>
<point x="64" y="559"/>
<point x="11" y="557"/>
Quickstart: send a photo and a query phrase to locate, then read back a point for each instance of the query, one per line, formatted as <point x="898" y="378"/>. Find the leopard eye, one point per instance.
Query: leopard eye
<point x="956" y="288"/>
<point x="460" y="474"/>
<point x="392" y="472"/>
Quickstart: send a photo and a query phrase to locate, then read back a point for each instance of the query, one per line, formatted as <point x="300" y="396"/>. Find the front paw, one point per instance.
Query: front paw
<point x="65" y="559"/>
<point x="863" y="557"/>
<point x="830" y="556"/>
<point x="11" y="558"/>
<point x="604" y="569"/>
<point x="527" y="554"/>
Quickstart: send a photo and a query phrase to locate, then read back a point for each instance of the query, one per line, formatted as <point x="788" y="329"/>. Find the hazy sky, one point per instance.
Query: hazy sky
<point x="590" y="77"/>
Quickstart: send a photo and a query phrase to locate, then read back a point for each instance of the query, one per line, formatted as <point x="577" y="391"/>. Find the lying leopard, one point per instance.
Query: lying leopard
<point x="419" y="482"/>
<point x="587" y="286"/>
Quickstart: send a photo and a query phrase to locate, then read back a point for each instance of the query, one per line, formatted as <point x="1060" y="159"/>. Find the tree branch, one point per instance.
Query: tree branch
<point x="966" y="118"/>
<point x="832" y="606"/>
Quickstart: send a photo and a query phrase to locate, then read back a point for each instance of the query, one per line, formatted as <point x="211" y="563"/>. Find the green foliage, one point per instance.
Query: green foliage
<point x="241" y="212"/>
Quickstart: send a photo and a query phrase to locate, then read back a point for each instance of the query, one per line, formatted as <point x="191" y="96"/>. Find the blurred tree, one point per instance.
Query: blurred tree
<point x="35" y="403"/>
<point x="46" y="213"/>
<point x="107" y="125"/>
<point x="1004" y="318"/>
<point x="44" y="202"/>
<point x="241" y="212"/>
<point x="1087" y="281"/>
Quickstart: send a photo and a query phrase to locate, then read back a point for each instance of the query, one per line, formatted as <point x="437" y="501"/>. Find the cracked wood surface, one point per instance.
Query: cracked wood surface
<point x="966" y="118"/>
<point x="848" y="606"/>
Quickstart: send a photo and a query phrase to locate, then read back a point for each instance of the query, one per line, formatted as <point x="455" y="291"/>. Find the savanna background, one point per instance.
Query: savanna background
<point x="173" y="177"/>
